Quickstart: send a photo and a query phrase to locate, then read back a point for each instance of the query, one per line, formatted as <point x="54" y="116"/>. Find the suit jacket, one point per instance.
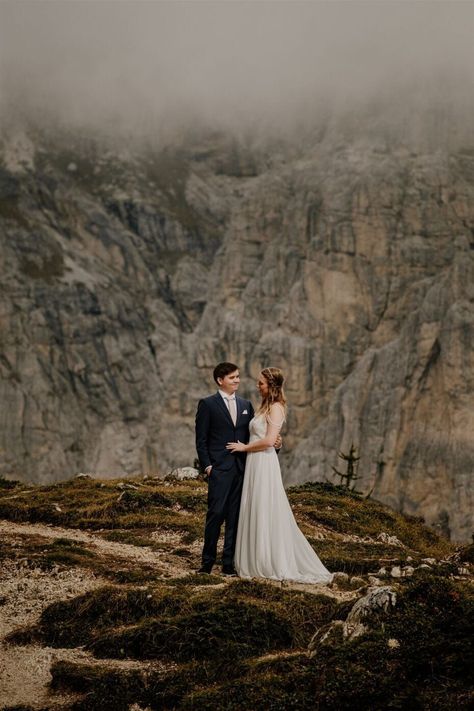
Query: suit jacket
<point x="214" y="429"/>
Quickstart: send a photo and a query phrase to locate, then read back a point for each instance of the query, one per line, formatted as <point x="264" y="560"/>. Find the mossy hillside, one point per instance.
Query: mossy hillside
<point x="417" y="657"/>
<point x="430" y="669"/>
<point x="168" y="517"/>
<point x="36" y="552"/>
<point x="206" y="642"/>
<point x="186" y="620"/>
<point x="346" y="512"/>
<point x="180" y="506"/>
<point x="105" y="689"/>
<point x="91" y="504"/>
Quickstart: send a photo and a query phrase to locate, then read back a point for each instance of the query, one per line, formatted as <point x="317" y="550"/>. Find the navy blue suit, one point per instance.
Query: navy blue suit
<point x="214" y="429"/>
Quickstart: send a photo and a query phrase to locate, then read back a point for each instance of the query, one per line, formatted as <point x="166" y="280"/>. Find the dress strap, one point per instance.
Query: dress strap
<point x="277" y="424"/>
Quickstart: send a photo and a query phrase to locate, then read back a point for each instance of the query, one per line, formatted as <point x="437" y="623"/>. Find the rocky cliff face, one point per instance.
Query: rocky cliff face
<point x="128" y="273"/>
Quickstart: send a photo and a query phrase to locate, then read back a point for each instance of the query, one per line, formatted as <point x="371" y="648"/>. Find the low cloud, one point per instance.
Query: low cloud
<point x="141" y="64"/>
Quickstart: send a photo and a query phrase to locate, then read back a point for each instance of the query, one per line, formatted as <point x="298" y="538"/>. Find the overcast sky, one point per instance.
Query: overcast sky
<point x="134" y="61"/>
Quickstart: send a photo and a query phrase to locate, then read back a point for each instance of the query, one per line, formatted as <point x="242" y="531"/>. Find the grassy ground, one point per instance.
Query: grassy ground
<point x="190" y="641"/>
<point x="246" y="648"/>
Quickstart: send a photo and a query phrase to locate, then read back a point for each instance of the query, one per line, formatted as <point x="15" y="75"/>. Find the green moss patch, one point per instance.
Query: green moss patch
<point x="194" y="579"/>
<point x="244" y="646"/>
<point x="358" y="558"/>
<point x="222" y="630"/>
<point x="346" y="512"/>
<point x="132" y="538"/>
<point x="8" y="483"/>
<point x="431" y="668"/>
<point x="91" y="504"/>
<point x="76" y="622"/>
<point x="466" y="554"/>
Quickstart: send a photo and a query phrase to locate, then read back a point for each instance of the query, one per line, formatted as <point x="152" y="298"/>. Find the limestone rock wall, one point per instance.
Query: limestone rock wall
<point x="126" y="275"/>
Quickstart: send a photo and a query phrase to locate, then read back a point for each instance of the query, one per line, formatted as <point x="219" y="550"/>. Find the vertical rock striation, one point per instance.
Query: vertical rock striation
<point x="127" y="274"/>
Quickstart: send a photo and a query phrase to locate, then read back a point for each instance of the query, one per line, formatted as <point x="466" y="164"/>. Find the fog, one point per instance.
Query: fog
<point x="140" y="64"/>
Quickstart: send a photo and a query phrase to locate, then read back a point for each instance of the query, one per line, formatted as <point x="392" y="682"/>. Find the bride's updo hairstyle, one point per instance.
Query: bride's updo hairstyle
<point x="275" y="380"/>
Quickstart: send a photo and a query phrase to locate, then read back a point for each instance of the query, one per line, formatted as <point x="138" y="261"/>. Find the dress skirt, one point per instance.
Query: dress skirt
<point x="269" y="542"/>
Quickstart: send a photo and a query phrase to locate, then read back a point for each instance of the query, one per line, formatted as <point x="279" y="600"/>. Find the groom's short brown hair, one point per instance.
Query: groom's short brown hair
<point x="223" y="369"/>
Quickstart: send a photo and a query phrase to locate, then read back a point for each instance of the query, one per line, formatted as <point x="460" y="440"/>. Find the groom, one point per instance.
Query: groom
<point x="222" y="418"/>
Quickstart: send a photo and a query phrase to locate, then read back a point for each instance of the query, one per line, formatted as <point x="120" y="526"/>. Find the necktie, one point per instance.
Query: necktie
<point x="232" y="409"/>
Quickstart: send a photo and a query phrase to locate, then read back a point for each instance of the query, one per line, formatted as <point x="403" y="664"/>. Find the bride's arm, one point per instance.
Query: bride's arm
<point x="275" y="420"/>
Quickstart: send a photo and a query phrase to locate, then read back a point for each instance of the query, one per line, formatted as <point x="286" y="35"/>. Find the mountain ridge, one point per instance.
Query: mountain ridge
<point x="129" y="274"/>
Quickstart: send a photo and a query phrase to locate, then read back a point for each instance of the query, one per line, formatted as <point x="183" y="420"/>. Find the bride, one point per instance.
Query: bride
<point x="269" y="542"/>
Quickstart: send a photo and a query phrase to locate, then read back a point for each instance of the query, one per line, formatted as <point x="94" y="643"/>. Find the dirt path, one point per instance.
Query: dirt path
<point x="138" y="554"/>
<point x="25" y="591"/>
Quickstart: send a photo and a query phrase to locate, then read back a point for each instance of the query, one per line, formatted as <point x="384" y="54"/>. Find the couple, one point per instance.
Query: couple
<point x="237" y="451"/>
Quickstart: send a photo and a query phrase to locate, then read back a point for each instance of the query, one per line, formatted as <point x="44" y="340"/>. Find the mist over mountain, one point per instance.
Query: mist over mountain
<point x="149" y="67"/>
<point x="286" y="184"/>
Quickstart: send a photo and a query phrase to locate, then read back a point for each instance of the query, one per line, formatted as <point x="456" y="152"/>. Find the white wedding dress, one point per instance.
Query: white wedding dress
<point x="269" y="542"/>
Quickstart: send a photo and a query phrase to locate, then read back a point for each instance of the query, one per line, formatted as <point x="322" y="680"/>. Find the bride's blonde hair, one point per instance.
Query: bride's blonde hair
<point x="275" y="380"/>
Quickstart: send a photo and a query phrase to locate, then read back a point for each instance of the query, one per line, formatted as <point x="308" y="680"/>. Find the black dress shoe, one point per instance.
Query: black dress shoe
<point x="229" y="570"/>
<point x="205" y="569"/>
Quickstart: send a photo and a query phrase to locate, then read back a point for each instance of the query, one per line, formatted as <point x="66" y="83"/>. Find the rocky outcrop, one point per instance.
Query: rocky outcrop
<point x="377" y="603"/>
<point x="127" y="274"/>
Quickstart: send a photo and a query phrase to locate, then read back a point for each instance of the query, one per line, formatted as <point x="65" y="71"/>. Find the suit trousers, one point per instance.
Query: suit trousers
<point x="223" y="501"/>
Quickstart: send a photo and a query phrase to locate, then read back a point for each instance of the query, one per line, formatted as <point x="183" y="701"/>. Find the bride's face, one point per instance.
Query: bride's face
<point x="262" y="386"/>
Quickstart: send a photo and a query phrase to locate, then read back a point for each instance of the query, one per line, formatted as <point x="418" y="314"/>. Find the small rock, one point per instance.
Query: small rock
<point x="72" y="167"/>
<point x="430" y="561"/>
<point x="183" y="473"/>
<point x="355" y="580"/>
<point x="83" y="476"/>
<point x="391" y="540"/>
<point x="408" y="571"/>
<point x="463" y="571"/>
<point x="424" y="565"/>
<point x="396" y="572"/>
<point x="393" y="643"/>
<point x="352" y="630"/>
<point x="382" y="571"/>
<point x="374" y="581"/>
<point x="339" y="578"/>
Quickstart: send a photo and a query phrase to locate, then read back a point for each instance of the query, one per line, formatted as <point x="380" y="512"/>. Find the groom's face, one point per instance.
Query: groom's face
<point x="230" y="383"/>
